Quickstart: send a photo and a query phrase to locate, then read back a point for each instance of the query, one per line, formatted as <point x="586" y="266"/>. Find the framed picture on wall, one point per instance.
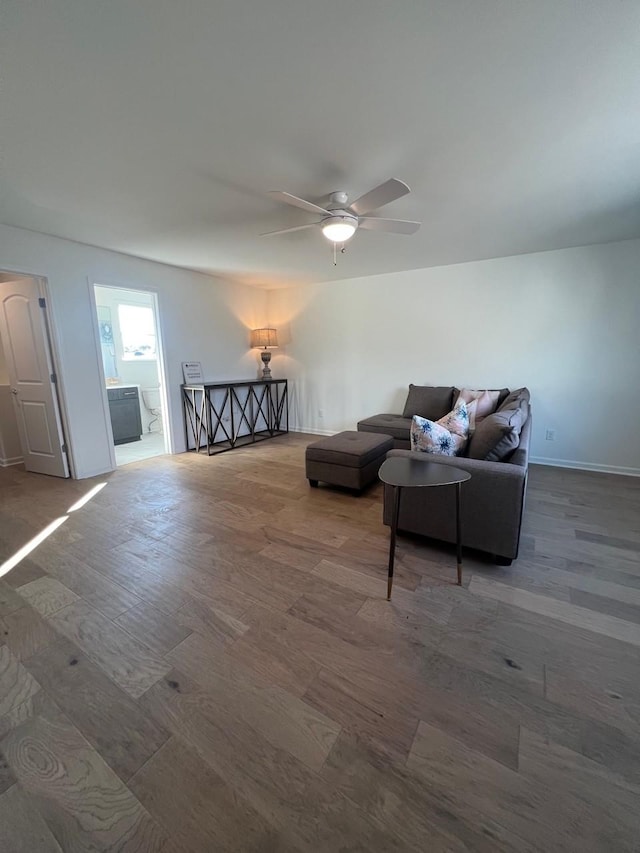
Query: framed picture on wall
<point x="106" y="333"/>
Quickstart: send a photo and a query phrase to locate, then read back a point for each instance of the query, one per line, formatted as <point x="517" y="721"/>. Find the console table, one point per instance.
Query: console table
<point x="220" y="416"/>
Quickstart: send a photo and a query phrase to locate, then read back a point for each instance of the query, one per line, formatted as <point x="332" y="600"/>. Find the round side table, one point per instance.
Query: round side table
<point x="404" y="472"/>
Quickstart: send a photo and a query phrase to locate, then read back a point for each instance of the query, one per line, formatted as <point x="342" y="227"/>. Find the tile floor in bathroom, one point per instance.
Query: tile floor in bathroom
<point x="151" y="444"/>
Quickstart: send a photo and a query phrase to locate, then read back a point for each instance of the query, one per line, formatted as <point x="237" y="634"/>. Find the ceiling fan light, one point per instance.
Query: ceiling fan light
<point x="339" y="229"/>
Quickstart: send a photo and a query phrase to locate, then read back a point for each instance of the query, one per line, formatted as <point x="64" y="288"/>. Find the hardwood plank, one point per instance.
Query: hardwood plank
<point x="23" y="712"/>
<point x="131" y="665"/>
<point x="110" y="720"/>
<point x="7" y="778"/>
<point x="267" y="651"/>
<point x="308" y="815"/>
<point x="134" y="576"/>
<point x="610" y="799"/>
<point x="85" y="805"/>
<point x="612" y="541"/>
<point x="266" y="775"/>
<point x="354" y="580"/>
<point x="508" y="798"/>
<point x="283" y="719"/>
<point x="211" y="622"/>
<point x="98" y="591"/>
<point x="155" y="629"/>
<point x="196" y="806"/>
<point x="176" y="579"/>
<point x="9" y="599"/>
<point x="47" y="595"/>
<point x="409" y="614"/>
<point x="380" y="726"/>
<point x="26" y="632"/>
<point x="24" y="572"/>
<point x="542" y="759"/>
<point x="333" y="609"/>
<point x="581" y="617"/>
<point x="17" y="684"/>
<point x="416" y="811"/>
<point x="612" y="607"/>
<point x="574" y="578"/>
<point x="22" y="829"/>
<point x="294" y="557"/>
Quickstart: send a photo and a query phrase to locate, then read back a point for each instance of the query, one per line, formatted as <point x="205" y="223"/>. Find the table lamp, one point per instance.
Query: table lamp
<point x="265" y="339"/>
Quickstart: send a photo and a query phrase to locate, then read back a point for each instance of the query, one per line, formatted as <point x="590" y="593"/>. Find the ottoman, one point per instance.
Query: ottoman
<point x="350" y="459"/>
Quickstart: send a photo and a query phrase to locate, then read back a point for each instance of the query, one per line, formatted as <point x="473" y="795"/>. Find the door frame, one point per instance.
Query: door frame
<point x="52" y="341"/>
<point x="92" y="283"/>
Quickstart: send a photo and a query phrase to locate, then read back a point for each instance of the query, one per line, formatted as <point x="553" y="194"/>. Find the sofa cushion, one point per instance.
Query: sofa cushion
<point x="428" y="401"/>
<point x="515" y="400"/>
<point x="393" y="425"/>
<point x="497" y="435"/>
<point x="349" y="448"/>
<point x="446" y="437"/>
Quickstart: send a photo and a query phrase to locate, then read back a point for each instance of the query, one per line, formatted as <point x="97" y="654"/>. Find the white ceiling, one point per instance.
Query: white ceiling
<point x="156" y="127"/>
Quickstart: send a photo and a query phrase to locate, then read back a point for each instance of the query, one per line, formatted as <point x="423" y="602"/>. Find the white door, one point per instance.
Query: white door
<point x="24" y="336"/>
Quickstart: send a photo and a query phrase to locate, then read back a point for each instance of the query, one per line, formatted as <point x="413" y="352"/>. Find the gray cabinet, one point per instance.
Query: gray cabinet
<point x="124" y="408"/>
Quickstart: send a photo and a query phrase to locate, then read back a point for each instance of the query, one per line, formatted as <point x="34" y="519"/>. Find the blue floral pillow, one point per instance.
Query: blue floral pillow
<point x="446" y="437"/>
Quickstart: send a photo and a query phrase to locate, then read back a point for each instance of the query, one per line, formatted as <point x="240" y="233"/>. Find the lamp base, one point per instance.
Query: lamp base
<point x="265" y="355"/>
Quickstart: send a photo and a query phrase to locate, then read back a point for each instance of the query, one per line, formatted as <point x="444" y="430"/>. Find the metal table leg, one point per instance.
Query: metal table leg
<point x="392" y="541"/>
<point x="458" y="534"/>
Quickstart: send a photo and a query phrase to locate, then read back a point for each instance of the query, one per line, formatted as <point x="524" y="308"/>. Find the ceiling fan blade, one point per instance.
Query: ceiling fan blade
<point x="287" y="198"/>
<point x="394" y="226"/>
<point x="288" y="230"/>
<point x="385" y="193"/>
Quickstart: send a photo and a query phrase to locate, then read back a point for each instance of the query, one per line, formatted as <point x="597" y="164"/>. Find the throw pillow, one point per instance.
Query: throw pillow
<point x="503" y="393"/>
<point x="428" y="401"/>
<point x="516" y="400"/>
<point x="497" y="435"/>
<point x="479" y="405"/>
<point x="446" y="437"/>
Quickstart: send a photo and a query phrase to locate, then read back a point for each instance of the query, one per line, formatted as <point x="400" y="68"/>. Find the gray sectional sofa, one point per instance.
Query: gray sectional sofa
<point x="493" y="499"/>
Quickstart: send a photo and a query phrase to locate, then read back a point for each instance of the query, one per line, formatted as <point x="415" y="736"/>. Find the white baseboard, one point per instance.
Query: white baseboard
<point x="12" y="460"/>
<point x="314" y="431"/>
<point x="585" y="466"/>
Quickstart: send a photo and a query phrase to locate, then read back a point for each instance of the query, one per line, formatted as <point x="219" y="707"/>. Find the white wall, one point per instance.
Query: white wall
<point x="564" y="323"/>
<point x="202" y="319"/>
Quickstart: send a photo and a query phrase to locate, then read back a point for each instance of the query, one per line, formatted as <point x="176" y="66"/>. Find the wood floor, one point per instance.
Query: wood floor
<point x="201" y="658"/>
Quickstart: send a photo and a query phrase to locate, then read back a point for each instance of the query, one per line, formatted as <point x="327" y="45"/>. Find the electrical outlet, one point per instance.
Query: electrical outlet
<point x="320" y="413"/>
<point x="550" y="435"/>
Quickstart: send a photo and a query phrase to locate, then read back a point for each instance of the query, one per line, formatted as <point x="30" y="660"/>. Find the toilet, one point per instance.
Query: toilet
<point x="153" y="404"/>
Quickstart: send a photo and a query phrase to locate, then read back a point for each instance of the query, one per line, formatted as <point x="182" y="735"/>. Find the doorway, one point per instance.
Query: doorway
<point x="131" y="360"/>
<point x="31" y="427"/>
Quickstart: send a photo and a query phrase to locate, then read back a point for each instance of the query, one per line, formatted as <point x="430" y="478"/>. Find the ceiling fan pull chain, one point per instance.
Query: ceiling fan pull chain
<point x="335" y="262"/>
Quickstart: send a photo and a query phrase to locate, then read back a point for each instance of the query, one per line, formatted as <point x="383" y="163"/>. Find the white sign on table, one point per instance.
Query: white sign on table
<point x="192" y="372"/>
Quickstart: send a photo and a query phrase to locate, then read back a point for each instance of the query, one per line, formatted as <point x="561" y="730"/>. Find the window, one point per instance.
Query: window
<point x="138" y="332"/>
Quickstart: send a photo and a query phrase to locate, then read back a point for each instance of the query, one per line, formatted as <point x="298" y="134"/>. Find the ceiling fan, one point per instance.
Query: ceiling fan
<point x="340" y="220"/>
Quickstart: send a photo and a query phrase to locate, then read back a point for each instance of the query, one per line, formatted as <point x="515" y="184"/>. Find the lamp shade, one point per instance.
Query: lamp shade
<point x="338" y="229"/>
<point x="266" y="338"/>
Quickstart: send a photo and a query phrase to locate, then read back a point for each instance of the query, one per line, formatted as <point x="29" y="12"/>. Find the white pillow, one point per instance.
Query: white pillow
<point x="480" y="404"/>
<point x="446" y="437"/>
